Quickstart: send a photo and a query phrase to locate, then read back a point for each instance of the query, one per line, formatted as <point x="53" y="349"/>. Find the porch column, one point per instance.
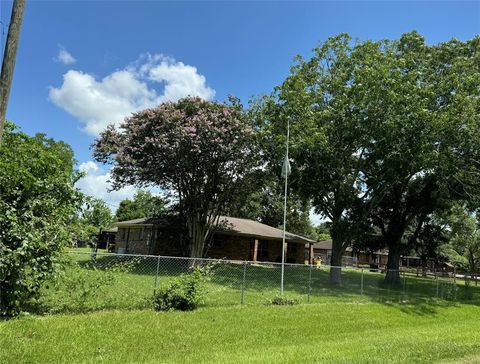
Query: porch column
<point x="310" y="251"/>
<point x="255" y="250"/>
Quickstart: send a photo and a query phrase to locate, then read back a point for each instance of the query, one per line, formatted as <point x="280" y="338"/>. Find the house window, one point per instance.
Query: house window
<point x="262" y="251"/>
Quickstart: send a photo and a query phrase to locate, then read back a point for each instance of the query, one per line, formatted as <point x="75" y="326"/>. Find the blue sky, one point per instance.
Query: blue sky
<point x="83" y="64"/>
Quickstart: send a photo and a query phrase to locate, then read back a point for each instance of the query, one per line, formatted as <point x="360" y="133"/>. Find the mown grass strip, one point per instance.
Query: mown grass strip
<point x="322" y="333"/>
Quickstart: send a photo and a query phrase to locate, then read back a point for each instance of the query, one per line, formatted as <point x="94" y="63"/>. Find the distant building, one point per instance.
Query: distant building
<point x="106" y="238"/>
<point x="323" y="250"/>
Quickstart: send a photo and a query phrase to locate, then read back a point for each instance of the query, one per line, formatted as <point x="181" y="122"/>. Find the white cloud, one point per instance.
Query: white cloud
<point x="96" y="183"/>
<point x="99" y="102"/>
<point x="96" y="104"/>
<point x="64" y="56"/>
<point x="180" y="79"/>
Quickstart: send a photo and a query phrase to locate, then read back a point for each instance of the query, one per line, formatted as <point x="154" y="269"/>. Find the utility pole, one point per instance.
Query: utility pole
<point x="9" y="56"/>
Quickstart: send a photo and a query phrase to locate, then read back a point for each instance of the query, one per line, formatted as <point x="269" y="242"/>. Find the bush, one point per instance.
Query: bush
<point x="38" y="201"/>
<point x="283" y="301"/>
<point x="185" y="293"/>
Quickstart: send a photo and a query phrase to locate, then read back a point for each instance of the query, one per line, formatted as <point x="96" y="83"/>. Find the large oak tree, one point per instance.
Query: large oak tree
<point x="383" y="133"/>
<point x="326" y="138"/>
<point x="421" y="111"/>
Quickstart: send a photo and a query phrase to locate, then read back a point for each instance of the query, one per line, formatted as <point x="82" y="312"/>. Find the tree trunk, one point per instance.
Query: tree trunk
<point x="8" y="63"/>
<point x="336" y="261"/>
<point x="196" y="234"/>
<point x="392" y="276"/>
<point x="424" y="268"/>
<point x="472" y="263"/>
<point x="336" y="269"/>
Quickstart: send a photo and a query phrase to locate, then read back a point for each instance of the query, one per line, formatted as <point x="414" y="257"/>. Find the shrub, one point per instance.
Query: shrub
<point x="185" y="293"/>
<point x="283" y="301"/>
<point x="38" y="201"/>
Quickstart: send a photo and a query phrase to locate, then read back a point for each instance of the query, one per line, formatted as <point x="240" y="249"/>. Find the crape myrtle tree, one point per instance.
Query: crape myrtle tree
<point x="421" y="111"/>
<point x="37" y="203"/>
<point x="201" y="151"/>
<point x="327" y="139"/>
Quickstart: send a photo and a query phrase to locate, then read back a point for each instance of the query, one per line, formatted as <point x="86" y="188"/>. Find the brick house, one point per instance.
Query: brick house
<point x="237" y="239"/>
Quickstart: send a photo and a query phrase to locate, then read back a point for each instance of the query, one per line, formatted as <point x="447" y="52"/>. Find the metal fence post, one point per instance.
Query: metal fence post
<point x="388" y="283"/>
<point x="454" y="283"/>
<point x="243" y="281"/>
<point x="309" y="283"/>
<point x="404" y="283"/>
<point x="156" y="275"/>
<point x="436" y="278"/>
<point x="361" y="284"/>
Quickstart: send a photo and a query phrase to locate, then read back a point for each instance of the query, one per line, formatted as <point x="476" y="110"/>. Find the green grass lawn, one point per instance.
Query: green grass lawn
<point x="430" y="332"/>
<point x="99" y="310"/>
<point x="113" y="282"/>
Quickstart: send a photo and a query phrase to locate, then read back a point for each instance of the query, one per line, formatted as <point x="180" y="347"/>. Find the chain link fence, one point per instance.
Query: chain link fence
<point x="127" y="281"/>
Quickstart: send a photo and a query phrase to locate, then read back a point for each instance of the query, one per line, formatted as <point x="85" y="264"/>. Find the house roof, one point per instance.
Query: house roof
<point x="246" y="227"/>
<point x="111" y="229"/>
<point x="231" y="226"/>
<point x="143" y="221"/>
<point x="324" y="245"/>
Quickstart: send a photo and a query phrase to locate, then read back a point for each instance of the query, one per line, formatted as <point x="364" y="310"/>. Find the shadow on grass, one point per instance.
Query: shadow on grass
<point x="255" y="283"/>
<point x="420" y="306"/>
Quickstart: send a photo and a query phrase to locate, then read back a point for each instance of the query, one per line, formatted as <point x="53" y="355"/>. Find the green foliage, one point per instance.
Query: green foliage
<point x="322" y="231"/>
<point x="144" y="204"/>
<point x="283" y="301"/>
<point x="96" y="213"/>
<point x="201" y="151"/>
<point x="383" y="133"/>
<point x="265" y="204"/>
<point x="88" y="284"/>
<point x="426" y="235"/>
<point x="326" y="137"/>
<point x="38" y="201"/>
<point x="93" y="216"/>
<point x="82" y="287"/>
<point x="184" y="294"/>
<point x="464" y="245"/>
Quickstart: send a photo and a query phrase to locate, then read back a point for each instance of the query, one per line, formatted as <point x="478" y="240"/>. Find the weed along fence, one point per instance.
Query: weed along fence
<point x="121" y="281"/>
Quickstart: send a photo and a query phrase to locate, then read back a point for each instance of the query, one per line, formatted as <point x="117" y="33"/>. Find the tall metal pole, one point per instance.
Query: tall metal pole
<point x="8" y="63"/>
<point x="285" y="209"/>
